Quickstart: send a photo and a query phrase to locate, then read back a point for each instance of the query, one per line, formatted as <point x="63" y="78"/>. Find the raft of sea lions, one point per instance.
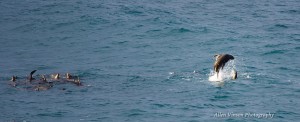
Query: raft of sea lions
<point x="43" y="82"/>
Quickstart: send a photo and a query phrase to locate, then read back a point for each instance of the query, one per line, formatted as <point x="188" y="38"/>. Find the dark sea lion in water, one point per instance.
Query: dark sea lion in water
<point x="30" y="75"/>
<point x="77" y="82"/>
<point x="56" y="76"/>
<point x="13" y="78"/>
<point x="44" y="82"/>
<point x="221" y="60"/>
<point x="69" y="76"/>
<point x="234" y="74"/>
<point x="44" y="78"/>
<point x="13" y="81"/>
<point x="42" y="87"/>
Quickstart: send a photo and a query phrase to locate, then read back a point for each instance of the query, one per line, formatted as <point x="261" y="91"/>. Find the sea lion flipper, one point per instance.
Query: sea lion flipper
<point x="30" y="76"/>
<point x="32" y="72"/>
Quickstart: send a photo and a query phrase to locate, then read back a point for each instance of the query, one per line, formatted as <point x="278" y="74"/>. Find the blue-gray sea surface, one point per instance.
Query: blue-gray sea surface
<point x="149" y="60"/>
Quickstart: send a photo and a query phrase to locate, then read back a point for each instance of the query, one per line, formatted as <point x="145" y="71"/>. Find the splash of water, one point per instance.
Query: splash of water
<point x="224" y="74"/>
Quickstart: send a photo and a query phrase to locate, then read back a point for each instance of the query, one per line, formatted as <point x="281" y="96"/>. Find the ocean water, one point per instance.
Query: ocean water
<point x="145" y="61"/>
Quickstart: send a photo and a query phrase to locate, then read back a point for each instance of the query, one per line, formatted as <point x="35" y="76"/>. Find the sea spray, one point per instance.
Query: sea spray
<point x="224" y="74"/>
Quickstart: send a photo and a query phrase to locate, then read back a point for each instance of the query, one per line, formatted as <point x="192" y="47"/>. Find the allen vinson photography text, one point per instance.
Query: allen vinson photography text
<point x="243" y="115"/>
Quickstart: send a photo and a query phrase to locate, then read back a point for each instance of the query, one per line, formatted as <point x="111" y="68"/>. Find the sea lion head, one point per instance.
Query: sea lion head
<point x="68" y="76"/>
<point x="44" y="78"/>
<point x="217" y="56"/>
<point x="13" y="78"/>
<point x="56" y="76"/>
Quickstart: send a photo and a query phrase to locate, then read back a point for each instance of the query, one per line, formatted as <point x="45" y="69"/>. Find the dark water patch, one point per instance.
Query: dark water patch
<point x="203" y="30"/>
<point x="291" y="11"/>
<point x="25" y="28"/>
<point x="284" y="68"/>
<point x="136" y="79"/>
<point x="196" y="106"/>
<point x="278" y="27"/>
<point x="271" y="62"/>
<point x="139" y="36"/>
<point x="285" y="114"/>
<point x="182" y="92"/>
<point x="274" y="52"/>
<point x="120" y="42"/>
<point x="281" y="26"/>
<point x="276" y="45"/>
<point x="219" y="98"/>
<point x="135" y="112"/>
<point x="251" y="37"/>
<point x="94" y="20"/>
<point x="42" y="67"/>
<point x="158" y="105"/>
<point x="260" y="14"/>
<point x="298" y="90"/>
<point x="209" y="105"/>
<point x="132" y="10"/>
<point x="143" y="46"/>
<point x="180" y="30"/>
<point x="43" y="44"/>
<point x="90" y="73"/>
<point x="222" y="41"/>
<point x="154" y="31"/>
<point x="63" y="24"/>
<point x="95" y="5"/>
<point x="56" y="114"/>
<point x="174" y="60"/>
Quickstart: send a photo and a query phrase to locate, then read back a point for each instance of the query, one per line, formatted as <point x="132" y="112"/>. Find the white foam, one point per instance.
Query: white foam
<point x="225" y="74"/>
<point x="216" y="77"/>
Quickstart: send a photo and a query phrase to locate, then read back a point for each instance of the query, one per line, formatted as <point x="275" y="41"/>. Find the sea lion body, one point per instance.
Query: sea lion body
<point x="221" y="60"/>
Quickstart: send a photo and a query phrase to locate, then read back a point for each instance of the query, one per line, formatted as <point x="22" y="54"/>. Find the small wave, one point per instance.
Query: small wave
<point x="134" y="12"/>
<point x="180" y="30"/>
<point x="275" y="52"/>
<point x="281" y="26"/>
<point x="291" y="11"/>
<point x="277" y="27"/>
<point x="272" y="45"/>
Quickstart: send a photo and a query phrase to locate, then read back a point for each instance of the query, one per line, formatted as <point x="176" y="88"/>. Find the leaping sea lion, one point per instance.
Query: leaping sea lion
<point x="221" y="60"/>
